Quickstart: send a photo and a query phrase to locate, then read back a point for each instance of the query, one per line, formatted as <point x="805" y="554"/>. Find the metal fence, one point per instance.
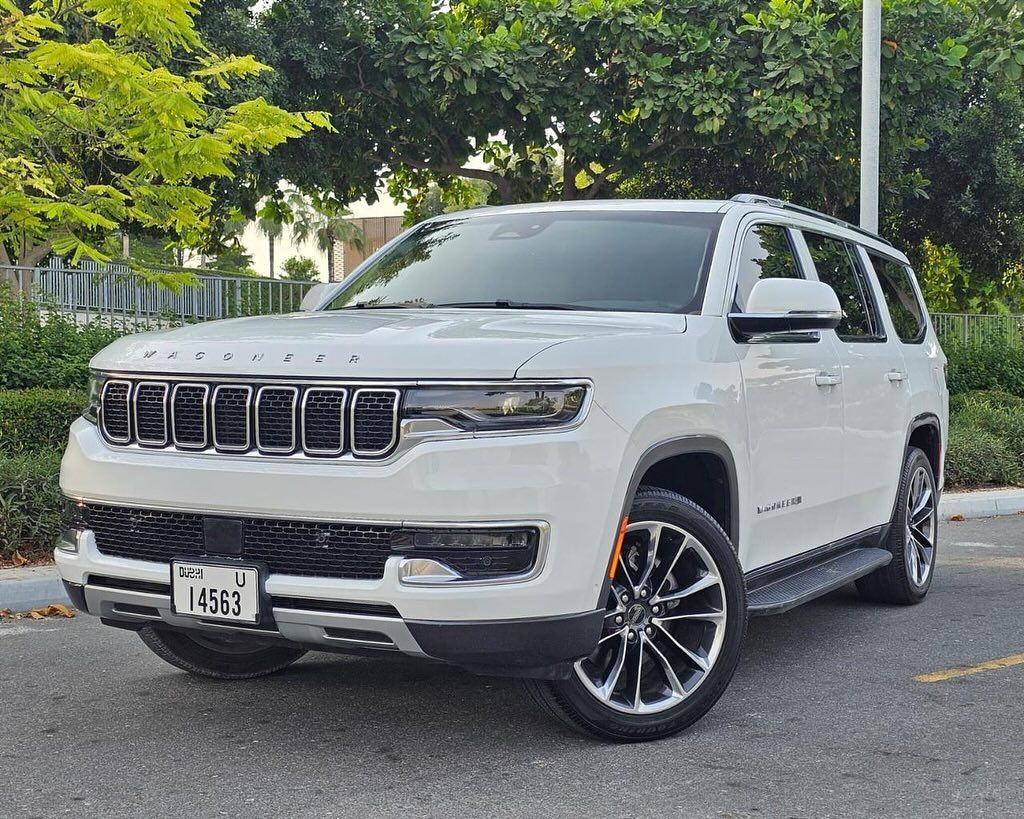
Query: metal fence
<point x="118" y="296"/>
<point x="978" y="329"/>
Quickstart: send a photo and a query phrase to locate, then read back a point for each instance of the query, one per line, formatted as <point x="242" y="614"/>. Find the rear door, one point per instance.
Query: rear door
<point x="794" y="415"/>
<point x="876" y="394"/>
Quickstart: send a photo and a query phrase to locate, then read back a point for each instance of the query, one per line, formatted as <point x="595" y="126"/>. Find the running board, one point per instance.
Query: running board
<point x="795" y="589"/>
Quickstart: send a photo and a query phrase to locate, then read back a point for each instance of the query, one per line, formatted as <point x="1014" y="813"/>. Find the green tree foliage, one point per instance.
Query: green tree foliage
<point x="110" y="119"/>
<point x="322" y="219"/>
<point x="300" y="269"/>
<point x="590" y="92"/>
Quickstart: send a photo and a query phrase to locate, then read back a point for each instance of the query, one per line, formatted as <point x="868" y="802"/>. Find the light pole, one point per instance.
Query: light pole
<point x="871" y="69"/>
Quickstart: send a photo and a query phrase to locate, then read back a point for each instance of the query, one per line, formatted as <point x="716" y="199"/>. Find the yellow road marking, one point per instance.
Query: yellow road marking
<point x="967" y="670"/>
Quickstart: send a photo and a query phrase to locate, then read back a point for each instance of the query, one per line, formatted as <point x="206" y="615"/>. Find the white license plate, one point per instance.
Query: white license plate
<point x="214" y="592"/>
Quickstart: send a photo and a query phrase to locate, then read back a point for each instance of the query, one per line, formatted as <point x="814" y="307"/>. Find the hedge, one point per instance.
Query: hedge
<point x="37" y="418"/>
<point x="986" y="439"/>
<point x="45" y="349"/>
<point x="30" y="503"/>
<point x="996" y="364"/>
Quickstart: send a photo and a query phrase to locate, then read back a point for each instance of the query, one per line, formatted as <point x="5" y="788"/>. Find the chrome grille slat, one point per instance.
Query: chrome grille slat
<point x="115" y="411"/>
<point x="149" y="402"/>
<point x="267" y="419"/>
<point x="189" y="427"/>
<point x="276" y="421"/>
<point x="231" y="417"/>
<point x="374" y="423"/>
<point x="323" y="420"/>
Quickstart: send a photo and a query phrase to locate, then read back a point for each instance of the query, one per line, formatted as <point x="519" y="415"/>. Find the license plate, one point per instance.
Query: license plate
<point x="214" y="592"/>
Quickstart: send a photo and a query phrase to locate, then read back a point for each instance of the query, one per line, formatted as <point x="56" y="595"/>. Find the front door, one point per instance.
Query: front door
<point x="794" y="410"/>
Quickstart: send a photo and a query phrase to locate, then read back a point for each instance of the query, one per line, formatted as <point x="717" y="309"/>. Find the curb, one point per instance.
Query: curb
<point x="983" y="503"/>
<point x="24" y="589"/>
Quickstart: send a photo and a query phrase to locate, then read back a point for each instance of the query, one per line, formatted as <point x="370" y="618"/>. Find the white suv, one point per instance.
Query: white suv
<point x="576" y="443"/>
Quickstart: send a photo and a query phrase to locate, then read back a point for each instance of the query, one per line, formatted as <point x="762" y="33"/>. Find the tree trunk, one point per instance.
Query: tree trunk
<point x="330" y="263"/>
<point x="270" y="249"/>
<point x="568" y="180"/>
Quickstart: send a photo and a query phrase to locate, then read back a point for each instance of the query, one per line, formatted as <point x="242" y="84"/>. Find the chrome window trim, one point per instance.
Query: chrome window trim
<point x="294" y="410"/>
<point x="343" y="392"/>
<point x="248" y="418"/>
<point x="114" y="439"/>
<point x="151" y="442"/>
<point x="395" y="409"/>
<point x="206" y="417"/>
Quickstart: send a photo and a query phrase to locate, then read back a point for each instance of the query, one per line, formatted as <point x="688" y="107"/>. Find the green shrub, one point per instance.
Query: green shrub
<point x="37" y="418"/>
<point x="996" y="364"/>
<point x="30" y="503"/>
<point x="976" y="457"/>
<point x="45" y="349"/>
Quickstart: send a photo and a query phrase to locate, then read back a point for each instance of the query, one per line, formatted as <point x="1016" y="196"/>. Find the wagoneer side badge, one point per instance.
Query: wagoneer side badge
<point x="780" y="504"/>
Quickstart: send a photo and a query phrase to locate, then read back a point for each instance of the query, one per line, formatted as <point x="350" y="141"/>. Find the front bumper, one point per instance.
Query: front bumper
<point x="573" y="482"/>
<point x="541" y="648"/>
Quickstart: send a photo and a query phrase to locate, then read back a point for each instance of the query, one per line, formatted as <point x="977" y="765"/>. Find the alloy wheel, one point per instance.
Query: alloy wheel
<point x="922" y="522"/>
<point x="665" y="622"/>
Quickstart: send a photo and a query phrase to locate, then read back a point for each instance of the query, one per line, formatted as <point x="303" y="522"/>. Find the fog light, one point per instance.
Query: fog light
<point x="473" y="554"/>
<point x="464" y="539"/>
<point x="67" y="540"/>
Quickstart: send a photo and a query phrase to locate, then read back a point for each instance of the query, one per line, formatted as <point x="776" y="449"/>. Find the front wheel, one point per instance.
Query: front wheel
<point x="676" y="616"/>
<point x="220" y="656"/>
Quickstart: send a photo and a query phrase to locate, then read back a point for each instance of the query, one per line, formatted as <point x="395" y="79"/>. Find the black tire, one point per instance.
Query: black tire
<point x="572" y="702"/>
<point x="895" y="583"/>
<point x="219" y="656"/>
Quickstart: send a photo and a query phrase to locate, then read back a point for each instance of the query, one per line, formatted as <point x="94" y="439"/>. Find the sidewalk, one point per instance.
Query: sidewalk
<point x="24" y="589"/>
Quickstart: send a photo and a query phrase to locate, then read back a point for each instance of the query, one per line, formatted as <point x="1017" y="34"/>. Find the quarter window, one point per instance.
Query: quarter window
<point x="766" y="253"/>
<point x="837" y="266"/>
<point x="908" y="316"/>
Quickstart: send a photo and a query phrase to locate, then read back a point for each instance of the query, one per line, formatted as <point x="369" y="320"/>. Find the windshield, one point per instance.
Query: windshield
<point x="646" y="261"/>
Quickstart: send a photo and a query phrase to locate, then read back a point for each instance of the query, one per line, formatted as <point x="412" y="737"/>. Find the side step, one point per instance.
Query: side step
<point x="791" y="591"/>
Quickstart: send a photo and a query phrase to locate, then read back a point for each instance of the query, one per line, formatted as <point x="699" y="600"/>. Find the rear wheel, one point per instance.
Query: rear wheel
<point x="912" y="538"/>
<point x="220" y="656"/>
<point x="676" y="615"/>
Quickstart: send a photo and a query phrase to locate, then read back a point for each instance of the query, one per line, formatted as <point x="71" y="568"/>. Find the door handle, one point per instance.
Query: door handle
<point x="895" y="376"/>
<point x="827" y="380"/>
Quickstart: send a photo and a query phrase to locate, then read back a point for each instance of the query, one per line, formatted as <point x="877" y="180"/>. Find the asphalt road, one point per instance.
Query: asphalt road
<point x="824" y="718"/>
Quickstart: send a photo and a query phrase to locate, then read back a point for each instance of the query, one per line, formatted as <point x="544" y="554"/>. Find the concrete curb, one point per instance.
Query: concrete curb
<point x="24" y="589"/>
<point x="982" y="503"/>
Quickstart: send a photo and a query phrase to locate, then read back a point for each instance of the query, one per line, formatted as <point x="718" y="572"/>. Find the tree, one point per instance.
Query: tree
<point x="591" y="93"/>
<point x="270" y="220"/>
<point x="99" y="132"/>
<point x="323" y="220"/>
<point x="300" y="269"/>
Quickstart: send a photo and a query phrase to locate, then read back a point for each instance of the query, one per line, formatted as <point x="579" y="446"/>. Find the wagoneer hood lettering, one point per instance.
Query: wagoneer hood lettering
<point x="383" y="344"/>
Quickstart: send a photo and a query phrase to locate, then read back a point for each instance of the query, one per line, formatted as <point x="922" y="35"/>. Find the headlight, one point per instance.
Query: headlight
<point x="498" y="407"/>
<point x="92" y="406"/>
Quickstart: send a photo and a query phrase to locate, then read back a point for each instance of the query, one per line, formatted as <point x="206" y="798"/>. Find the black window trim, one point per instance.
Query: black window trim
<point x="922" y="333"/>
<point x="780" y="338"/>
<point x="875" y="323"/>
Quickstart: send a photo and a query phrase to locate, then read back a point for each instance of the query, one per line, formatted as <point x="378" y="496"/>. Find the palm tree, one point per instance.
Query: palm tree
<point x="324" y="220"/>
<point x="271" y="219"/>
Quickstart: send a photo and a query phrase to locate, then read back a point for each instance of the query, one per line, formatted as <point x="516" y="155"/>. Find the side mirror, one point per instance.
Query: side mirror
<point x="788" y="306"/>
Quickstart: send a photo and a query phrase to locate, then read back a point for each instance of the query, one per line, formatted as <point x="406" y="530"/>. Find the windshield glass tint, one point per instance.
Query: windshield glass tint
<point x="600" y="260"/>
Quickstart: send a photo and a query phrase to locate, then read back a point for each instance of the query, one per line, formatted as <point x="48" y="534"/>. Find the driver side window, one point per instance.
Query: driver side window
<point x="765" y="253"/>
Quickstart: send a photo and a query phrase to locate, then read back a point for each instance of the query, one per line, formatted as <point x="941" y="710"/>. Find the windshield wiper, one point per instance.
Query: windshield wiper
<point x="387" y="305"/>
<point x="504" y="304"/>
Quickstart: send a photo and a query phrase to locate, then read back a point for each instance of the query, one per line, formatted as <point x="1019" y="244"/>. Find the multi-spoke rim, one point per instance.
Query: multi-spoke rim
<point x="922" y="523"/>
<point x="665" y="622"/>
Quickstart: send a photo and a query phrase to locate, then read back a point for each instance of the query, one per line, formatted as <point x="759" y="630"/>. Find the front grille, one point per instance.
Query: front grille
<point x="114" y="411"/>
<point x="374" y="422"/>
<point x="343" y="550"/>
<point x="272" y="419"/>
<point x="231" y="417"/>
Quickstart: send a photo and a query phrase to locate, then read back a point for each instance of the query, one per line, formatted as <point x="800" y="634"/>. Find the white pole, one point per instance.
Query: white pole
<point x="871" y="69"/>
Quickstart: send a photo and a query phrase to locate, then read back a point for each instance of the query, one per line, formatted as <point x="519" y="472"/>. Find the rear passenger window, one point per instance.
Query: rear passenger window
<point x="908" y="316"/>
<point x="766" y="253"/>
<point x="837" y="266"/>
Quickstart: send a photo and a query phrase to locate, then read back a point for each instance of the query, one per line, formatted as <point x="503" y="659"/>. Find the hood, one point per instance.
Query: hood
<point x="374" y="344"/>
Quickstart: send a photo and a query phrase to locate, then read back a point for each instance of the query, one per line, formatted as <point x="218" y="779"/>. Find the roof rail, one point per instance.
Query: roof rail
<point x="758" y="199"/>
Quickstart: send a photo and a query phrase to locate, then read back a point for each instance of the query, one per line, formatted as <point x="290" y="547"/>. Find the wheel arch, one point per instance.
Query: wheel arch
<point x="665" y="465"/>
<point x="925" y="432"/>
